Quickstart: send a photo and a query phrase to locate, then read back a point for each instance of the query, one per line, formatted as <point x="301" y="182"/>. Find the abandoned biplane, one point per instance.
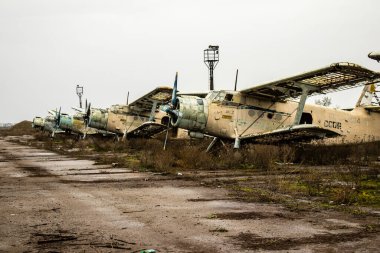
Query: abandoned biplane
<point x="141" y="118"/>
<point x="58" y="122"/>
<point x="271" y="113"/>
<point x="75" y="123"/>
<point x="47" y="124"/>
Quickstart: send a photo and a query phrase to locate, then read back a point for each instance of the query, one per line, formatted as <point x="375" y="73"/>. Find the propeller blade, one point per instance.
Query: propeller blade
<point x="59" y="117"/>
<point x="88" y="112"/>
<point x="170" y="109"/>
<point x="174" y="94"/>
<point x="56" y="118"/>
<point x="87" y="115"/>
<point x="167" y="133"/>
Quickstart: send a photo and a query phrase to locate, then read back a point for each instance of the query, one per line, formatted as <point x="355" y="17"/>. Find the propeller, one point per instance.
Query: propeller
<point x="86" y="118"/>
<point x="57" y="121"/>
<point x="170" y="109"/>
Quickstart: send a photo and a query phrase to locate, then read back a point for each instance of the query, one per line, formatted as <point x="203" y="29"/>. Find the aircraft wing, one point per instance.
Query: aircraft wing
<point x="160" y="95"/>
<point x="336" y="77"/>
<point x="305" y="132"/>
<point x="193" y="94"/>
<point x="147" y="129"/>
<point x="372" y="108"/>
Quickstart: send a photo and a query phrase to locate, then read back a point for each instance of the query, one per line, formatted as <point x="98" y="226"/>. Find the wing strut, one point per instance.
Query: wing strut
<point x="305" y="92"/>
<point x="153" y="111"/>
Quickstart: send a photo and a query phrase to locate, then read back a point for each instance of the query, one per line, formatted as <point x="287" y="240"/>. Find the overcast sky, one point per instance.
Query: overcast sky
<point x="112" y="47"/>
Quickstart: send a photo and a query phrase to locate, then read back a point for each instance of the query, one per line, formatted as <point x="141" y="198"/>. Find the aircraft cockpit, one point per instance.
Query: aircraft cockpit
<point x="224" y="97"/>
<point x="119" y="109"/>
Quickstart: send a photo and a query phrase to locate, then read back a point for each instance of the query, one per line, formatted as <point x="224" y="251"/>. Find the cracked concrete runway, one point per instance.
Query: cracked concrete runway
<point x="54" y="203"/>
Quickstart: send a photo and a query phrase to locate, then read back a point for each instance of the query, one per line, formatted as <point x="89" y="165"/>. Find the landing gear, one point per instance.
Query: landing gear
<point x="213" y="142"/>
<point x="237" y="143"/>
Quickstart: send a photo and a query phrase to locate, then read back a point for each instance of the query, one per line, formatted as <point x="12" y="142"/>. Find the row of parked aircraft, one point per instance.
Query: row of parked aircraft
<point x="270" y="112"/>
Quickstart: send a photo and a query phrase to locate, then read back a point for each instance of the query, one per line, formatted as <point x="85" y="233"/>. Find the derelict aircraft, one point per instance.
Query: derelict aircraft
<point x="47" y="124"/>
<point x="270" y="112"/>
<point x="75" y="123"/>
<point x="141" y="118"/>
<point x="58" y="122"/>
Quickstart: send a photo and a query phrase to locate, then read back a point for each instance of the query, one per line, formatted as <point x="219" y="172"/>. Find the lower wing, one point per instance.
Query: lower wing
<point x="147" y="129"/>
<point x="298" y="133"/>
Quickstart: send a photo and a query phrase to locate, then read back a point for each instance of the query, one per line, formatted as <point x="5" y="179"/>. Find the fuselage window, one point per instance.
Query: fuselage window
<point x="228" y="97"/>
<point x="306" y="118"/>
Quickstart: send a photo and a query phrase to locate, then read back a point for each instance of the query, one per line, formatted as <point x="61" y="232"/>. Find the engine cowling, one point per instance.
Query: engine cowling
<point x="49" y="123"/>
<point x="98" y="119"/>
<point x="66" y="122"/>
<point x="38" y="122"/>
<point x="191" y="113"/>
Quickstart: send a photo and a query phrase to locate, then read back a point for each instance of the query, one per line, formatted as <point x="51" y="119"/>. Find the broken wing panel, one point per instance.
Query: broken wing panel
<point x="147" y="129"/>
<point x="337" y="76"/>
<point x="372" y="108"/>
<point x="161" y="95"/>
<point x="306" y="132"/>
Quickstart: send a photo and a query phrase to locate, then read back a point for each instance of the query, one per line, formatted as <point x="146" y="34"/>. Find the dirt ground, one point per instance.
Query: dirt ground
<point x="54" y="203"/>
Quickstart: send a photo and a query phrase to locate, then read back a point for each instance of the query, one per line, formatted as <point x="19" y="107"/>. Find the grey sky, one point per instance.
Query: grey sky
<point x="112" y="47"/>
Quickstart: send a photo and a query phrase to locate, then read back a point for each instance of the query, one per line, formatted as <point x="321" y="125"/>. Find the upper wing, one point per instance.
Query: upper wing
<point x="304" y="132"/>
<point x="337" y="76"/>
<point x="160" y="95"/>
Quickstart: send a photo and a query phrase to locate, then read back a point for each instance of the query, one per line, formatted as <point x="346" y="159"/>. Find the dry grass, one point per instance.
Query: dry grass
<point x="329" y="174"/>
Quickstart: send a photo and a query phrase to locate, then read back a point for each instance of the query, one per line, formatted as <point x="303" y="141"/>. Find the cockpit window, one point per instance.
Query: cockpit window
<point x="228" y="97"/>
<point x="212" y="95"/>
<point x="219" y="97"/>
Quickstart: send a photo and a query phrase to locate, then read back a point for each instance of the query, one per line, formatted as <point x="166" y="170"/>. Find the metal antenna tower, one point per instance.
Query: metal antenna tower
<point x="80" y="93"/>
<point x="211" y="59"/>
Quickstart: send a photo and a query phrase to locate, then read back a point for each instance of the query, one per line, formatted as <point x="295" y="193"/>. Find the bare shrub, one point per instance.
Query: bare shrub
<point x="286" y="154"/>
<point x="262" y="156"/>
<point x="334" y="154"/>
<point x="313" y="180"/>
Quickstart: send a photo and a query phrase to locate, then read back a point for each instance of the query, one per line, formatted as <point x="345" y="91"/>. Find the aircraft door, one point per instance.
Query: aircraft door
<point x="222" y="115"/>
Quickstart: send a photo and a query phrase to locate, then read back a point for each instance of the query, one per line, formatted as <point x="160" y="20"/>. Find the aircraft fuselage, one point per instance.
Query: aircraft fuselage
<point x="232" y="114"/>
